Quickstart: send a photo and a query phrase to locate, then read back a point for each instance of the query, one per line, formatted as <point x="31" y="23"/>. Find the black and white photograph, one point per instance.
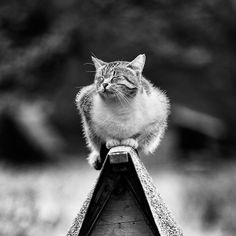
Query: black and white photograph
<point x="117" y="118"/>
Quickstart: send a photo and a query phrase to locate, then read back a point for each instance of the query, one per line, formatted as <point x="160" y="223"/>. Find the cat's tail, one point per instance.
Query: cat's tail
<point x="96" y="159"/>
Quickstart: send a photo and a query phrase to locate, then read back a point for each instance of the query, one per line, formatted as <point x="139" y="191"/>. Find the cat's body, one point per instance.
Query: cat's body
<point x="129" y="112"/>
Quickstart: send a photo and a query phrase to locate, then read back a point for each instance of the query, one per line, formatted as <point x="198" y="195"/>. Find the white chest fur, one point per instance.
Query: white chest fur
<point x="115" y="120"/>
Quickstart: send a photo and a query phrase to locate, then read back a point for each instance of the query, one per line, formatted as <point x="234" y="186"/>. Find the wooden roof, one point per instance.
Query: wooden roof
<point x="124" y="201"/>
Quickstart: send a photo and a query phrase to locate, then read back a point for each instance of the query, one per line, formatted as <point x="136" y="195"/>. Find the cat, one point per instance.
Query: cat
<point x="121" y="107"/>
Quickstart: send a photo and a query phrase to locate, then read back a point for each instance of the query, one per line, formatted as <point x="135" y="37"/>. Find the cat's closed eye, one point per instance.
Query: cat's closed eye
<point x="100" y="79"/>
<point x="115" y="79"/>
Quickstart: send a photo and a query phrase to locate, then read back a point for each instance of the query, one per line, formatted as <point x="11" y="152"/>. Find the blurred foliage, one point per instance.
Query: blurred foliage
<point x="190" y="48"/>
<point x="211" y="198"/>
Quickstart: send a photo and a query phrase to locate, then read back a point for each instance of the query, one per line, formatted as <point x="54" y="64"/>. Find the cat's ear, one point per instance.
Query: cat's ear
<point x="138" y="63"/>
<point x="98" y="63"/>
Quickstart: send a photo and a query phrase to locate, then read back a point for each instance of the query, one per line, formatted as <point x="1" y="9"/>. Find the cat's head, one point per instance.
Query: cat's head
<point x="120" y="80"/>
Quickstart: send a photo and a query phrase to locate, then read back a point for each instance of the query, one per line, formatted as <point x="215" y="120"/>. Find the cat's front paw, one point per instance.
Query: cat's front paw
<point x="95" y="161"/>
<point x="112" y="143"/>
<point x="130" y="142"/>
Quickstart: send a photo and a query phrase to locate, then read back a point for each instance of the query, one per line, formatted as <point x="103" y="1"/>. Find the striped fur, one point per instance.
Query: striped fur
<point x="122" y="107"/>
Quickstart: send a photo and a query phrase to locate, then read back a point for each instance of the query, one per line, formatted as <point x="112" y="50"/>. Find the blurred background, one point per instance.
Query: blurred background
<point x="46" y="49"/>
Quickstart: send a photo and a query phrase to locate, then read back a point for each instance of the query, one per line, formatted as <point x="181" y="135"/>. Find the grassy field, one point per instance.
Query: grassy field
<point x="45" y="200"/>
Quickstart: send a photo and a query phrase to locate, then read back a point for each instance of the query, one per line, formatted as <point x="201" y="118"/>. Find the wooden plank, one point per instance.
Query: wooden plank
<point x="123" y="210"/>
<point x="124" y="202"/>
<point x="118" y="157"/>
<point x="122" y="216"/>
<point x="123" y="229"/>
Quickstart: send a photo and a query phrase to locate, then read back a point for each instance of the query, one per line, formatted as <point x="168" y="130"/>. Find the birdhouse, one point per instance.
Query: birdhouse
<point x="124" y="201"/>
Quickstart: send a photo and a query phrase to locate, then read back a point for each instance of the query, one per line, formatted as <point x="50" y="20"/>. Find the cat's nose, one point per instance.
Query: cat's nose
<point x="105" y="85"/>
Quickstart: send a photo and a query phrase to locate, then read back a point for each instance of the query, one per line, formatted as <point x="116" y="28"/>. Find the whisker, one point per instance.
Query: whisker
<point x="88" y="63"/>
<point x="120" y="100"/>
<point x="123" y="97"/>
<point x="127" y="94"/>
<point x="118" y="96"/>
<point x="91" y="71"/>
<point x="79" y="87"/>
<point x="123" y="94"/>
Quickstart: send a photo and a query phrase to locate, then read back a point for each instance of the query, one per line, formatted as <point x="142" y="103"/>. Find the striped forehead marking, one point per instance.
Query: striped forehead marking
<point x="110" y="67"/>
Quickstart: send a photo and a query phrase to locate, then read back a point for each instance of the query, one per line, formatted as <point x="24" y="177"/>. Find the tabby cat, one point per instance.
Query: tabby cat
<point x="121" y="107"/>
